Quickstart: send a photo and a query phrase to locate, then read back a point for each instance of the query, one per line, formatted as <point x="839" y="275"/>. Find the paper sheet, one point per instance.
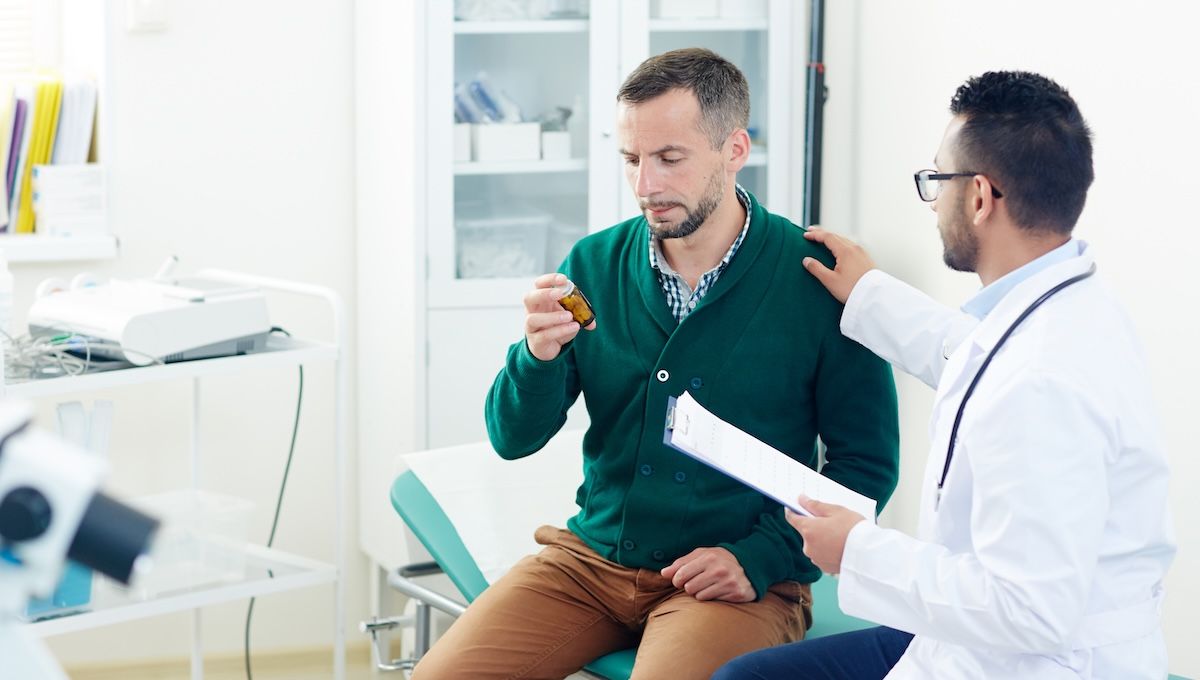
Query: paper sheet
<point x="695" y="431"/>
<point x="496" y="504"/>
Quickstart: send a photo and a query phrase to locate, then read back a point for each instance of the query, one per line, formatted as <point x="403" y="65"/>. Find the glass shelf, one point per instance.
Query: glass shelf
<point x="510" y="27"/>
<point x="684" y="25"/>
<point x="280" y="351"/>
<point x="520" y="167"/>
<point x="267" y="571"/>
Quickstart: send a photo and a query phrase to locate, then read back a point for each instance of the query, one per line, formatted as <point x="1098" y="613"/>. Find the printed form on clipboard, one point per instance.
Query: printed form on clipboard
<point x="695" y="431"/>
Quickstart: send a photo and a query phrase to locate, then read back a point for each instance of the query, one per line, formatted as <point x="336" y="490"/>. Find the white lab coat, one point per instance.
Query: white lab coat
<point x="1046" y="557"/>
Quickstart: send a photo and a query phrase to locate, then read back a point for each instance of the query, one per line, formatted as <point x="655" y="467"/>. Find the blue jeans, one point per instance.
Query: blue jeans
<point x="858" y="655"/>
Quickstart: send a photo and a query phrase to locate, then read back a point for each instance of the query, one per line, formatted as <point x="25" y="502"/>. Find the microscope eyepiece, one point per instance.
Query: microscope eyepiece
<point x="25" y="514"/>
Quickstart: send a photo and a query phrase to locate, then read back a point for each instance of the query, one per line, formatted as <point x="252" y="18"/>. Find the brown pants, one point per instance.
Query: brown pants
<point x="558" y="610"/>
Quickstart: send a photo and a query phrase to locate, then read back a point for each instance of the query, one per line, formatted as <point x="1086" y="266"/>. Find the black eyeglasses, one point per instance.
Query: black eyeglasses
<point x="929" y="183"/>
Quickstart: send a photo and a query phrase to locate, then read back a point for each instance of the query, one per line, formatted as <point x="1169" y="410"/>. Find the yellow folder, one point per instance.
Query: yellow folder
<point x="41" y="144"/>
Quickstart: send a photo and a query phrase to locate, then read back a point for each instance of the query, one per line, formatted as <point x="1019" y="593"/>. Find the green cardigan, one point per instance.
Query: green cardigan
<point x="762" y="350"/>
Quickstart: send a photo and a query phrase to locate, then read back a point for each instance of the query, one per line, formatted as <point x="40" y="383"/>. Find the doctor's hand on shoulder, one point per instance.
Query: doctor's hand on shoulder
<point x="825" y="532"/>
<point x="547" y="325"/>
<point x="851" y="263"/>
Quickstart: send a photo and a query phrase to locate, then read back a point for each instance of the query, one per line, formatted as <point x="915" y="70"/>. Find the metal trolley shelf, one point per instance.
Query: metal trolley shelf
<point x="268" y="571"/>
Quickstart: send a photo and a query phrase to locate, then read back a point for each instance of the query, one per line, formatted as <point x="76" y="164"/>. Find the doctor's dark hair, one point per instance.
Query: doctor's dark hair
<point x="1025" y="131"/>
<point x="719" y="86"/>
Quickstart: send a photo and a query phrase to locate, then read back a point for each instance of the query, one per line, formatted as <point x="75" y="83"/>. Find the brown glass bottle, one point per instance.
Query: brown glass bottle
<point x="574" y="301"/>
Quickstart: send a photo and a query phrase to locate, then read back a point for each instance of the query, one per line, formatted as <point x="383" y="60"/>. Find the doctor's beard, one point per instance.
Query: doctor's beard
<point x="960" y="246"/>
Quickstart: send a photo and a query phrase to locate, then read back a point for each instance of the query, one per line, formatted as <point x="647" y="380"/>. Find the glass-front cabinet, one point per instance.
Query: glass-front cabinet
<point x="756" y="36"/>
<point x="513" y="108"/>
<point x="519" y="168"/>
<point x="519" y="109"/>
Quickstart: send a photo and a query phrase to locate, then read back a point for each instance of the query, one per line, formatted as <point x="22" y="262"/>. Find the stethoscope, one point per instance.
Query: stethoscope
<point x="937" y="500"/>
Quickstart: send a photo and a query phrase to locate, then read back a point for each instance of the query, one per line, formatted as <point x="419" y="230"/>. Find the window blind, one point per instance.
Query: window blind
<point x="16" y="37"/>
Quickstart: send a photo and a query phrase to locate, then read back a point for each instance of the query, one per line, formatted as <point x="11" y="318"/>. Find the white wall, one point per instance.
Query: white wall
<point x="390" y="261"/>
<point x="892" y="70"/>
<point x="232" y="146"/>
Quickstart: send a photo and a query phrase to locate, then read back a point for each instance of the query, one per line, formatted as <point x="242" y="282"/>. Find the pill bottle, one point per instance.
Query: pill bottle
<point x="574" y="301"/>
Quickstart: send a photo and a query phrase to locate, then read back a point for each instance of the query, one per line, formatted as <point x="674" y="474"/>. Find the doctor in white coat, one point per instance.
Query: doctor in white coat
<point x="1044" y="531"/>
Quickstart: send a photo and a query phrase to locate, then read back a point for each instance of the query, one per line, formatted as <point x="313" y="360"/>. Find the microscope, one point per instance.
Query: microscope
<point x="50" y="511"/>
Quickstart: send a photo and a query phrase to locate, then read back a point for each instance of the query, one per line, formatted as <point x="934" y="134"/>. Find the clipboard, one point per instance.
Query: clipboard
<point x="694" y="431"/>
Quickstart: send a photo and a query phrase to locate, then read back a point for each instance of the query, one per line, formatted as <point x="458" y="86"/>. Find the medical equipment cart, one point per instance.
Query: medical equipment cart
<point x="267" y="570"/>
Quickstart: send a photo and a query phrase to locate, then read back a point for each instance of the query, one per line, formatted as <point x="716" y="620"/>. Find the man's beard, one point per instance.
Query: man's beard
<point x="961" y="255"/>
<point x="693" y="219"/>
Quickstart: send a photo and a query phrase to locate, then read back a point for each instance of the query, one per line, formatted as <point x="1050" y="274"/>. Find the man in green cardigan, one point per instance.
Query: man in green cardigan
<point x="704" y="292"/>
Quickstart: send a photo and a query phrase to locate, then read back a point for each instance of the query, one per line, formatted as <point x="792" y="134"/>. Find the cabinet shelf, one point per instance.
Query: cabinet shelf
<point x="707" y="25"/>
<point x="520" y="167"/>
<point x="515" y="27"/>
<point x="44" y="248"/>
<point x="280" y="351"/>
<point x="267" y="571"/>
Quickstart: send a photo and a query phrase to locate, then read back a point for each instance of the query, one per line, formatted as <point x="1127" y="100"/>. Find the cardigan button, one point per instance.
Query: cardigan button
<point x="697" y="383"/>
<point x="662" y="375"/>
<point x="681" y="477"/>
<point x="658" y="555"/>
<point x="628" y="544"/>
<point x="647" y="470"/>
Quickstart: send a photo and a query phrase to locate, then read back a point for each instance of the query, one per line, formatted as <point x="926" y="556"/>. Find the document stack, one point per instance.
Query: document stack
<point x="47" y="123"/>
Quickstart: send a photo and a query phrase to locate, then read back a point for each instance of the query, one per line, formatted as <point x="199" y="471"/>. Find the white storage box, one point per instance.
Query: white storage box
<point x="202" y="540"/>
<point x="507" y="142"/>
<point x="462" y="142"/>
<point x="500" y="246"/>
<point x="556" y="145"/>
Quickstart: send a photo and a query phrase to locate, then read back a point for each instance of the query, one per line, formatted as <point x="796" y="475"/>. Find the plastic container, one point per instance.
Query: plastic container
<point x="500" y="246"/>
<point x="556" y="145"/>
<point x="202" y="540"/>
<point x="500" y="142"/>
<point x="73" y="594"/>
<point x="462" y="142"/>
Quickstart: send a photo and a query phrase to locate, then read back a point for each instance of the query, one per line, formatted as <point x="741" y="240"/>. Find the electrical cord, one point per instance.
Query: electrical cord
<point x="278" y="503"/>
<point x="68" y="354"/>
<point x="30" y="357"/>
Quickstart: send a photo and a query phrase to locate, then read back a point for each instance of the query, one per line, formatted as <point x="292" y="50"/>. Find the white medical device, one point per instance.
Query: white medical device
<point x="146" y="321"/>
<point x="51" y="510"/>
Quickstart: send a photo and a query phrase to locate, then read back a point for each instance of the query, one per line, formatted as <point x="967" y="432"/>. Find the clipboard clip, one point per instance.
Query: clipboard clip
<point x="677" y="422"/>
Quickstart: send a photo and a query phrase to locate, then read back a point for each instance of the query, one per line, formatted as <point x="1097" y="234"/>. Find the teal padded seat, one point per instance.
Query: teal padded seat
<point x="828" y="618"/>
<point x="433" y="529"/>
